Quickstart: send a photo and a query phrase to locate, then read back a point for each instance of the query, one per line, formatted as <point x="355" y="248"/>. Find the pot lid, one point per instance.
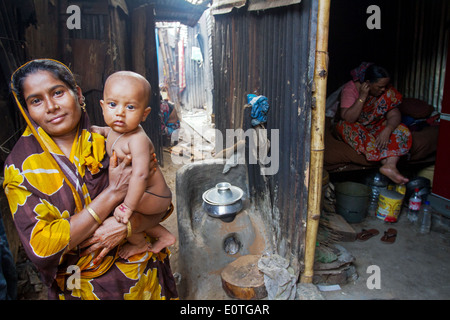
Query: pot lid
<point x="223" y="194"/>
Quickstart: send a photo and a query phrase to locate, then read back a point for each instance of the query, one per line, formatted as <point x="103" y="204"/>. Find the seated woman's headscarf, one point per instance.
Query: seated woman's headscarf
<point x="359" y="73"/>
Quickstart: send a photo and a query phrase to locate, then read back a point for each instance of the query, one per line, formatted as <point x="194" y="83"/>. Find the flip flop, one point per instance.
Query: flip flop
<point x="389" y="236"/>
<point x="366" y="234"/>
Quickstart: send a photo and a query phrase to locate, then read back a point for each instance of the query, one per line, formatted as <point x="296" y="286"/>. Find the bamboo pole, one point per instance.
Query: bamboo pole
<point x="317" y="138"/>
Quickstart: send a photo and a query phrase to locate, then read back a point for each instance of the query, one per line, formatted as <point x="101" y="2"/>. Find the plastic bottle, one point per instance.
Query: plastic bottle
<point x="376" y="183"/>
<point x="414" y="206"/>
<point x="425" y="218"/>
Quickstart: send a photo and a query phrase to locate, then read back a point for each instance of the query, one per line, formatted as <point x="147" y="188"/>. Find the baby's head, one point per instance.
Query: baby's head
<point x="126" y="98"/>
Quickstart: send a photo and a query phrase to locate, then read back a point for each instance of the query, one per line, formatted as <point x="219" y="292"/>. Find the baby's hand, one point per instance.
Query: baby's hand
<point x="122" y="213"/>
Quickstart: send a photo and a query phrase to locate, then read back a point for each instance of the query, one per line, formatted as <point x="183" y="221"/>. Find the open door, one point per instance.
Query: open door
<point x="145" y="62"/>
<point x="440" y="198"/>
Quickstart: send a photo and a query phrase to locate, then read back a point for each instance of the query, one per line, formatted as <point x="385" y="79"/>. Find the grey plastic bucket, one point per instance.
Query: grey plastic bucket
<point x="352" y="200"/>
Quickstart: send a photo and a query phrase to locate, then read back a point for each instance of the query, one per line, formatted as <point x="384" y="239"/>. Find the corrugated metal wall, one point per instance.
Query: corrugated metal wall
<point x="422" y="40"/>
<point x="271" y="53"/>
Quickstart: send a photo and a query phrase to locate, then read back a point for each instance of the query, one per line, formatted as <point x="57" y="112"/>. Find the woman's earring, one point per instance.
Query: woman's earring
<point x="83" y="104"/>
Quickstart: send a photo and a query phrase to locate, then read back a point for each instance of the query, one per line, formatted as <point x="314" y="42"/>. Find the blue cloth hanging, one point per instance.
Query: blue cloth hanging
<point x="260" y="107"/>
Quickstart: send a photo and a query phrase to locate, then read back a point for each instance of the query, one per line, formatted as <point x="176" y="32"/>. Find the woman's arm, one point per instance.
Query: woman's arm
<point x="351" y="114"/>
<point x="83" y="224"/>
<point x="393" y="119"/>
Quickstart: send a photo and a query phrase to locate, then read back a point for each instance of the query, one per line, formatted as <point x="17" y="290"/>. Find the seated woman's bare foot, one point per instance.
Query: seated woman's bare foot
<point x="392" y="173"/>
<point x="128" y="249"/>
<point x="162" y="242"/>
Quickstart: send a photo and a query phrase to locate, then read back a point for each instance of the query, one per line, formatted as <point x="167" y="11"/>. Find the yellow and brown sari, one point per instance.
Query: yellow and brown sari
<point x="44" y="189"/>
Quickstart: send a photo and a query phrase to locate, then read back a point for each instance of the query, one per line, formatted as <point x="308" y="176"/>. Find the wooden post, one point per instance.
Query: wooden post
<point x="317" y="138"/>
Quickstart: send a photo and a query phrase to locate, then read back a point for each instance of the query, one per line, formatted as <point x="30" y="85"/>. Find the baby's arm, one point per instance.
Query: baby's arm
<point x="140" y="149"/>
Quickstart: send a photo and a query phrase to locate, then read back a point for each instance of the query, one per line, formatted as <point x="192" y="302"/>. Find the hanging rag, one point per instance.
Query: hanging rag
<point x="260" y="107"/>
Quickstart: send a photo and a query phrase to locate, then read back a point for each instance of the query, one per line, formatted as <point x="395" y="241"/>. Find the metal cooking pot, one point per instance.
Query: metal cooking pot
<point x="223" y="201"/>
<point x="422" y="183"/>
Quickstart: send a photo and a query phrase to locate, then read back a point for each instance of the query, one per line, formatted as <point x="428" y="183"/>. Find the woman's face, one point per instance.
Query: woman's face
<point x="52" y="104"/>
<point x="379" y="87"/>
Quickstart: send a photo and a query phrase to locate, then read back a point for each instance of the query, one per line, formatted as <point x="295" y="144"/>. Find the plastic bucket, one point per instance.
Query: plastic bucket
<point x="351" y="201"/>
<point x="389" y="205"/>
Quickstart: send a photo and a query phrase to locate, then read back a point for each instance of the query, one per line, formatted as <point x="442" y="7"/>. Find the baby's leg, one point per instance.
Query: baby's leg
<point x="157" y="196"/>
<point x="153" y="203"/>
<point x="137" y="243"/>
<point x="164" y="238"/>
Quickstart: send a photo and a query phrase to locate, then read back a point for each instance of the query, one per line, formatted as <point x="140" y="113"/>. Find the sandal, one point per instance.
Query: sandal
<point x="389" y="236"/>
<point x="366" y="234"/>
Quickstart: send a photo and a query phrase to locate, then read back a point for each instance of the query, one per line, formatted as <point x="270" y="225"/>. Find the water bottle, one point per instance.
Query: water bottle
<point x="425" y="218"/>
<point x="376" y="183"/>
<point x="414" y="206"/>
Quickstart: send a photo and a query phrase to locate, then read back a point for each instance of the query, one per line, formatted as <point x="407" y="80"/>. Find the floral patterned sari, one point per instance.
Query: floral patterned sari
<point x="44" y="189"/>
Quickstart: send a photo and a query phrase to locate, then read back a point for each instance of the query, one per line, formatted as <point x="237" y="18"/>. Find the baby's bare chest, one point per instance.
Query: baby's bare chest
<point x="119" y="144"/>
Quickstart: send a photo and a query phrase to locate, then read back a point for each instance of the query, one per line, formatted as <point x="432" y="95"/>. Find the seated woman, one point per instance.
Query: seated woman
<point x="370" y="120"/>
<point x="56" y="182"/>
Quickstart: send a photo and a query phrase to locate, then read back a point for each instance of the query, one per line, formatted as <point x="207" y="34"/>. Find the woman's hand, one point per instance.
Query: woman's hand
<point x="119" y="175"/>
<point x="383" y="138"/>
<point x="364" y="91"/>
<point x="107" y="236"/>
<point x="393" y="119"/>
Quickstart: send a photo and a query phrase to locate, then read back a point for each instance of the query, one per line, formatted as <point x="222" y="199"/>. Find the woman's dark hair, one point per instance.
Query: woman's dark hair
<point x="374" y="73"/>
<point x="60" y="72"/>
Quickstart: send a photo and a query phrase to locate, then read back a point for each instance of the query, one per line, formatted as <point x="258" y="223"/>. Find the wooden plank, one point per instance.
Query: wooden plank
<point x="338" y="226"/>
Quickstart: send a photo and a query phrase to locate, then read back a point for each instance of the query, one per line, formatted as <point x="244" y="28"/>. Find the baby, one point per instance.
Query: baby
<point x="125" y="105"/>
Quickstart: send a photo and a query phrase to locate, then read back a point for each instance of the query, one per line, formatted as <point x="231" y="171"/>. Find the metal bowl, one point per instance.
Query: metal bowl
<point x="226" y="213"/>
<point x="223" y="201"/>
<point x="422" y="183"/>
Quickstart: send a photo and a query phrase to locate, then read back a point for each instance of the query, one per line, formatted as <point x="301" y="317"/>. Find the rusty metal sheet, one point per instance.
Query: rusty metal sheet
<point x="255" y="5"/>
<point x="225" y="6"/>
<point x="90" y="62"/>
<point x="119" y="3"/>
<point x="178" y="10"/>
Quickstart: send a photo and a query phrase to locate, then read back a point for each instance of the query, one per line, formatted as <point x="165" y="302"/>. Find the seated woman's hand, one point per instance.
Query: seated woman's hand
<point x="383" y="139"/>
<point x="107" y="236"/>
